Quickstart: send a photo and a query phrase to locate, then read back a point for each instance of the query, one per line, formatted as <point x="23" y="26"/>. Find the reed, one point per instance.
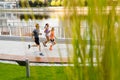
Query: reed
<point x="96" y="44"/>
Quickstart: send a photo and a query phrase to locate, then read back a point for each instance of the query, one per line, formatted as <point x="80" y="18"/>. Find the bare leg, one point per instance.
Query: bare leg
<point x="47" y="39"/>
<point x="35" y="45"/>
<point x="39" y="46"/>
<point x="53" y="43"/>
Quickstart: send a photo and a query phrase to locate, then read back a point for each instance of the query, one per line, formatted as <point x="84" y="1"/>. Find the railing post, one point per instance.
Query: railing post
<point x="0" y="31"/>
<point x="20" y="30"/>
<point x="27" y="68"/>
<point x="9" y="30"/>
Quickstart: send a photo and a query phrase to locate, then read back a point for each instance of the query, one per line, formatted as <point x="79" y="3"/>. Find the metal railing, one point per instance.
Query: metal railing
<point x="26" y="31"/>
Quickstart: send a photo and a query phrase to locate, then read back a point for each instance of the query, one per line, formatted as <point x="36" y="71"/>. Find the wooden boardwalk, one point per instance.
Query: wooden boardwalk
<point x="33" y="59"/>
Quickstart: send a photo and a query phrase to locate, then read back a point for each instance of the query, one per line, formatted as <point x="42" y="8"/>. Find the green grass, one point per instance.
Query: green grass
<point x="16" y="72"/>
<point x="101" y="30"/>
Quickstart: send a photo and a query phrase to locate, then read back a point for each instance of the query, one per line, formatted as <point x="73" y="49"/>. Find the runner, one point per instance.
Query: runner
<point x="52" y="38"/>
<point x="46" y="31"/>
<point x="35" y="37"/>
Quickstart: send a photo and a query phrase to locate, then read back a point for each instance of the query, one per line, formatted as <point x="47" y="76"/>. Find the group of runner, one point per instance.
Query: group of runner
<point x="49" y="34"/>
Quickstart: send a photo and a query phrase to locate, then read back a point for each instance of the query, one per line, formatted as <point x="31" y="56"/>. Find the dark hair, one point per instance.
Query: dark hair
<point x="46" y="25"/>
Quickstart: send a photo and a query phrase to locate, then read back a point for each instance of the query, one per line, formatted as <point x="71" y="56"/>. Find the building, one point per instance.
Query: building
<point x="8" y="4"/>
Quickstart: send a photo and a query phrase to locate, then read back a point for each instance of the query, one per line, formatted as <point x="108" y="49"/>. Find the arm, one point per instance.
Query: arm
<point x="45" y="30"/>
<point x="39" y="33"/>
<point x="32" y="35"/>
<point x="49" y="31"/>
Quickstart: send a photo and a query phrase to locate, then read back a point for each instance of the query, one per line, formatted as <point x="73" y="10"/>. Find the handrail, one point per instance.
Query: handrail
<point x="26" y="31"/>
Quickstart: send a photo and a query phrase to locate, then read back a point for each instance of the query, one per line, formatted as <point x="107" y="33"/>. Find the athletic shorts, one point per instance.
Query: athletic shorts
<point x="52" y="40"/>
<point x="37" y="41"/>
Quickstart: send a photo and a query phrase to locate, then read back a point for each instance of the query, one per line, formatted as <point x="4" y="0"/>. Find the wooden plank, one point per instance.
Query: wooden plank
<point x="33" y="59"/>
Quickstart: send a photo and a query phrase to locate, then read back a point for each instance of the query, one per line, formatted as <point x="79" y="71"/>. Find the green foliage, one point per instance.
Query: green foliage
<point x="57" y="2"/>
<point x="53" y="3"/>
<point x="95" y="46"/>
<point x="39" y="3"/>
<point x="33" y="16"/>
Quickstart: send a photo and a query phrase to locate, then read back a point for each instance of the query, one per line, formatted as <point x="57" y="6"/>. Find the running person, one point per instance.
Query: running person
<point x="46" y="31"/>
<point x="35" y="37"/>
<point x="52" y="38"/>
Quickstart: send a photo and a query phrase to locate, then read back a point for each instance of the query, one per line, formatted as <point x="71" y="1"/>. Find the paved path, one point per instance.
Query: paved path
<point x="17" y="49"/>
<point x="21" y="48"/>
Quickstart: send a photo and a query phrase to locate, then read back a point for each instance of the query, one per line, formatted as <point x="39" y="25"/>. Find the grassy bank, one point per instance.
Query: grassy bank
<point x="16" y="72"/>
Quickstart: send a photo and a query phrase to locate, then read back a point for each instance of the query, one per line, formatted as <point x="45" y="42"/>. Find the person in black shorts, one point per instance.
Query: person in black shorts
<point x="52" y="38"/>
<point x="35" y="37"/>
